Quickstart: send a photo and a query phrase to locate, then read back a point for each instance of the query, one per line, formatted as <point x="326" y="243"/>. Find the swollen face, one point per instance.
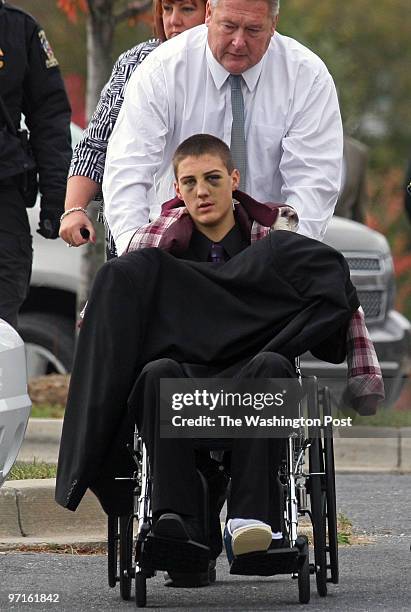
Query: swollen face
<point x="239" y="32"/>
<point x="181" y="15"/>
<point x="206" y="186"/>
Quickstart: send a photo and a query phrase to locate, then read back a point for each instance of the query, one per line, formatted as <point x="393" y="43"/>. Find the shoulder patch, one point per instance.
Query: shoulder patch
<point x="51" y="60"/>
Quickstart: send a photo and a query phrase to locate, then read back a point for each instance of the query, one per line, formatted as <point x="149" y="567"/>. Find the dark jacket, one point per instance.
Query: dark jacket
<point x="285" y="293"/>
<point x="31" y="84"/>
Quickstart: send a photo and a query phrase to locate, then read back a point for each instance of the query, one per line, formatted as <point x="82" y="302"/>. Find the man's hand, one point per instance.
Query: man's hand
<point x="74" y="228"/>
<point x="364" y="406"/>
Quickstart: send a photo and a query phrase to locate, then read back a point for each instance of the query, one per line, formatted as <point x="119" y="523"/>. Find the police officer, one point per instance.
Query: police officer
<point x="30" y="84"/>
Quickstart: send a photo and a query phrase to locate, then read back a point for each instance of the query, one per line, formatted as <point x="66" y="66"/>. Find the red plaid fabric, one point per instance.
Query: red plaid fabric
<point x="150" y="235"/>
<point x="364" y="372"/>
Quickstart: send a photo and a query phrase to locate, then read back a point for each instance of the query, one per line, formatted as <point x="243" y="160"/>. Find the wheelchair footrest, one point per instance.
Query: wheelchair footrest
<point x="268" y="563"/>
<point x="167" y="554"/>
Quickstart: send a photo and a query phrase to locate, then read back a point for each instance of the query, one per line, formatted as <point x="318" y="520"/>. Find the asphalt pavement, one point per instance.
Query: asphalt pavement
<point x="375" y="575"/>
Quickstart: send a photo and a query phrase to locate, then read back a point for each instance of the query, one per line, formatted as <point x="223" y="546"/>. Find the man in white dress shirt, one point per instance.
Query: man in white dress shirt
<point x="292" y="125"/>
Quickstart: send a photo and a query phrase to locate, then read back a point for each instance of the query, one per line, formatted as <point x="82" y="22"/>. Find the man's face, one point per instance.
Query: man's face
<point x="239" y="32"/>
<point x="205" y="186"/>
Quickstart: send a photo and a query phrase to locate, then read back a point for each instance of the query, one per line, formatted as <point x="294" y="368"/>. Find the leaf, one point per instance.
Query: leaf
<point x="70" y="7"/>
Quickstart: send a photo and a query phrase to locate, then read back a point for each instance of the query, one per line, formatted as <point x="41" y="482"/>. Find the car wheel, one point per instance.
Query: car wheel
<point x="49" y="341"/>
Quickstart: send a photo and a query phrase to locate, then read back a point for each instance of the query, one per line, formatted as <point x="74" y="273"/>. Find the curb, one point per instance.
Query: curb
<point x="44" y="430"/>
<point x="28" y="511"/>
<point x="31" y="517"/>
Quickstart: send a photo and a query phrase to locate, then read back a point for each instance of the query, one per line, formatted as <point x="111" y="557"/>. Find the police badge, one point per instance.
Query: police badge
<point x="51" y="60"/>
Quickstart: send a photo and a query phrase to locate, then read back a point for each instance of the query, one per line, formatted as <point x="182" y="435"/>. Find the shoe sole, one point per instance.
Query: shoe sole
<point x="181" y="580"/>
<point x="255" y="538"/>
<point x="167" y="554"/>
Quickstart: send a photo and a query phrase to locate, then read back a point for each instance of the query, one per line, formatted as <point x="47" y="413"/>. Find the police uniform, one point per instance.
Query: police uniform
<point x="30" y="84"/>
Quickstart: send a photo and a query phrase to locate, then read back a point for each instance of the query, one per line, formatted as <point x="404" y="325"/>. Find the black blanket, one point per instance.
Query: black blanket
<point x="285" y="293"/>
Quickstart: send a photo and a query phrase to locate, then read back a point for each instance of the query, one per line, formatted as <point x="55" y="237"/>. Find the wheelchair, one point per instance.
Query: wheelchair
<point x="306" y="492"/>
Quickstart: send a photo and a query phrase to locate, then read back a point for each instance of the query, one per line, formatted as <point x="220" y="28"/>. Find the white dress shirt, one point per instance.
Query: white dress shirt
<point x="293" y="130"/>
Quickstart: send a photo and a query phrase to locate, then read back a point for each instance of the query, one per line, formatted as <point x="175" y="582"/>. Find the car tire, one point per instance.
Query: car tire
<point x="49" y="341"/>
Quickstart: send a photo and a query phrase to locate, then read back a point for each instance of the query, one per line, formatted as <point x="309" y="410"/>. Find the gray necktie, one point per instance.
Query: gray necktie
<point x="237" y="147"/>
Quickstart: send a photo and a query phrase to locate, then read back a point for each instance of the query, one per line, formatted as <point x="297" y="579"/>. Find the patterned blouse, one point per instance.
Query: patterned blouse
<point x="90" y="154"/>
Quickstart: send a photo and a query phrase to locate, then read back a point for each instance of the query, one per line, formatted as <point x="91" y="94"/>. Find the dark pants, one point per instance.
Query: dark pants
<point x="173" y="462"/>
<point x="15" y="252"/>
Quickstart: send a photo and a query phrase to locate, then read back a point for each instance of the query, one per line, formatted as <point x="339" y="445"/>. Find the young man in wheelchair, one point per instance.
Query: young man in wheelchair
<point x="159" y="313"/>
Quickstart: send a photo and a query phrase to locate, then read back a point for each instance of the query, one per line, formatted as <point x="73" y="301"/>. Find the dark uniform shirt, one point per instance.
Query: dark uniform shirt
<point x="31" y="85"/>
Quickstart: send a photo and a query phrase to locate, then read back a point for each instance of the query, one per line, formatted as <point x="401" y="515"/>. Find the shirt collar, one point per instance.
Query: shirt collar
<point x="220" y="74"/>
<point x="233" y="243"/>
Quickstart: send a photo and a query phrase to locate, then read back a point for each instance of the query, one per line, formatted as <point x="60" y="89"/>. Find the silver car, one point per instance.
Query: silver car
<point x="15" y="404"/>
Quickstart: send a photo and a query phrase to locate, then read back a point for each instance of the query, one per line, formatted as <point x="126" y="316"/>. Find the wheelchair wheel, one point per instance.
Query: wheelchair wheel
<point x="318" y="517"/>
<point x="112" y="550"/>
<point x="126" y="553"/>
<point x="332" y="547"/>
<point x="141" y="589"/>
<point x="304" y="576"/>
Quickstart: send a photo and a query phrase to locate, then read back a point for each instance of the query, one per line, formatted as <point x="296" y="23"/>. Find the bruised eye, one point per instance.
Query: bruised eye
<point x="189" y="182"/>
<point x="214" y="178"/>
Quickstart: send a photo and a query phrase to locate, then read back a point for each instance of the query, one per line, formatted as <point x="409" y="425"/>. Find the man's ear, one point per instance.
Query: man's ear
<point x="207" y="13"/>
<point x="275" y="23"/>
<point x="235" y="179"/>
<point x="177" y="190"/>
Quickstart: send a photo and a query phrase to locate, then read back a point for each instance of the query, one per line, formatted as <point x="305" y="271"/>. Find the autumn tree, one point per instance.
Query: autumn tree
<point x="366" y="46"/>
<point x="103" y="17"/>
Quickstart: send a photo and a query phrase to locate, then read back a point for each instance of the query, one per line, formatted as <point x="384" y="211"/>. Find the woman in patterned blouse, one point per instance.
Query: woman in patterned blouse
<point x="171" y="17"/>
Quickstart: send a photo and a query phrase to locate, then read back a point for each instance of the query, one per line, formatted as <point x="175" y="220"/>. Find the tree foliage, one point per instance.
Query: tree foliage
<point x="71" y="8"/>
<point x="103" y="17"/>
<point x="119" y="9"/>
<point x="366" y="46"/>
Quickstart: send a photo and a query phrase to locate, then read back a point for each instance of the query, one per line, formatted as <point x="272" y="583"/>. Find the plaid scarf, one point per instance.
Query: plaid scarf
<point x="172" y="230"/>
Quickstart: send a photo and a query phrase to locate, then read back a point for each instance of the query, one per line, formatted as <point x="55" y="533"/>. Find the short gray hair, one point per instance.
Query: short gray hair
<point x="273" y="4"/>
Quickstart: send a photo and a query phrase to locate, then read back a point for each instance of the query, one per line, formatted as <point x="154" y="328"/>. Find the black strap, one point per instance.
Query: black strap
<point x="8" y="119"/>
